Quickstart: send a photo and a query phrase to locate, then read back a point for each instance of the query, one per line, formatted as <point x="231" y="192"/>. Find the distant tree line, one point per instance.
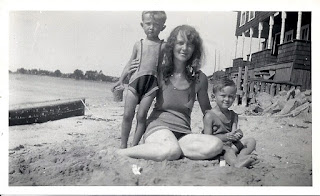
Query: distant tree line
<point x="77" y="74"/>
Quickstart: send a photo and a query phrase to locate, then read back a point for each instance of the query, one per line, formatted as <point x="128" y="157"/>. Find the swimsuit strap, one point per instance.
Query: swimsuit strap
<point x="159" y="53"/>
<point x="140" y="54"/>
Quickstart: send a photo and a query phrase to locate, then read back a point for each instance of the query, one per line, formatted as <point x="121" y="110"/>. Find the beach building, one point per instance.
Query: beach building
<point x="273" y="51"/>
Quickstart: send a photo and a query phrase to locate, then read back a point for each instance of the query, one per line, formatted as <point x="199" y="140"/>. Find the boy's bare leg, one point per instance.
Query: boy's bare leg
<point x="249" y="146"/>
<point x="131" y="102"/>
<point x="244" y="158"/>
<point x="238" y="161"/>
<point x="230" y="155"/>
<point x="141" y="117"/>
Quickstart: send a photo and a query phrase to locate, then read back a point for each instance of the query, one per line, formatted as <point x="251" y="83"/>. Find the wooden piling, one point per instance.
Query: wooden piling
<point x="251" y="93"/>
<point x="263" y="87"/>
<point x="268" y="85"/>
<point x="273" y="89"/>
<point x="245" y="87"/>
<point x="278" y="88"/>
<point x="236" y="102"/>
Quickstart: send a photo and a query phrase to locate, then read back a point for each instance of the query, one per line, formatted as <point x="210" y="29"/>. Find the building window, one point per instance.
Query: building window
<point x="242" y="18"/>
<point x="288" y="36"/>
<point x="305" y="32"/>
<point x="252" y="14"/>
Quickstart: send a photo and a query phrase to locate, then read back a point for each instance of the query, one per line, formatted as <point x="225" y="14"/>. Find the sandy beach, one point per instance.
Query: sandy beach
<point x="80" y="151"/>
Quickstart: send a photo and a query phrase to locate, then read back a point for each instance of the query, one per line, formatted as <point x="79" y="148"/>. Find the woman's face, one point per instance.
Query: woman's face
<point x="183" y="49"/>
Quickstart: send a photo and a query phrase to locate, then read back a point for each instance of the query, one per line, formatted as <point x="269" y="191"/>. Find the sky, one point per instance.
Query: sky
<point x="103" y="40"/>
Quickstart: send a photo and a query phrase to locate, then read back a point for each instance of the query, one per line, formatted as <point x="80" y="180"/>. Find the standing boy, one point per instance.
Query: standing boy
<point x="143" y="83"/>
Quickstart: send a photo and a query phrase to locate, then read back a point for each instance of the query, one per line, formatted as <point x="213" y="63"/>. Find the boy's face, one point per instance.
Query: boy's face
<point x="225" y="97"/>
<point x="152" y="26"/>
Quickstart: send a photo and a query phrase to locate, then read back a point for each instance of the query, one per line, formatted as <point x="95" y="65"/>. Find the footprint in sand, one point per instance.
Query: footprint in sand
<point x="75" y="134"/>
<point x="18" y="148"/>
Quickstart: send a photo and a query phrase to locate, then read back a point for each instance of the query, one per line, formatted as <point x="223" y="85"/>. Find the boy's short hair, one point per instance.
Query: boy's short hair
<point x="221" y="83"/>
<point x="162" y="16"/>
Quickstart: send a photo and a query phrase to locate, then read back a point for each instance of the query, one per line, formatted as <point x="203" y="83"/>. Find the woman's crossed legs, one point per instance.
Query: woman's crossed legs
<point x="163" y="145"/>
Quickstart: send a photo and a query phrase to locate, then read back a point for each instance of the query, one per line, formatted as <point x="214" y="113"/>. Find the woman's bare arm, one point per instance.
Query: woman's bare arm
<point x="202" y="93"/>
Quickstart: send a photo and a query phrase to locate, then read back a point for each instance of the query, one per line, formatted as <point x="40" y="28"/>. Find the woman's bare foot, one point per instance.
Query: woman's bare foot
<point x="246" y="161"/>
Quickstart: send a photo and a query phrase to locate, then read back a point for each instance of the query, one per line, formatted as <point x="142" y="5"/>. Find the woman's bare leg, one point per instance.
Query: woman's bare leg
<point x="200" y="146"/>
<point x="160" y="145"/>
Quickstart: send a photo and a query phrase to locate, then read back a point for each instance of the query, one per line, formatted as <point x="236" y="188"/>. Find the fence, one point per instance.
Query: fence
<point x="248" y="87"/>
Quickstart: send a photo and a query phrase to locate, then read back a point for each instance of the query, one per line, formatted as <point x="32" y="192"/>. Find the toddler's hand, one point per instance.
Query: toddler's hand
<point x="231" y="136"/>
<point x="238" y="134"/>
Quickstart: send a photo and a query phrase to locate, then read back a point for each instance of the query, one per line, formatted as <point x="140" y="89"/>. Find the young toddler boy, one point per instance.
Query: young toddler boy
<point x="223" y="123"/>
<point x="147" y="54"/>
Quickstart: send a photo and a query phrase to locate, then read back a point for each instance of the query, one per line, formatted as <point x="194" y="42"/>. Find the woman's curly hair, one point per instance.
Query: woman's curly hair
<point x="194" y="63"/>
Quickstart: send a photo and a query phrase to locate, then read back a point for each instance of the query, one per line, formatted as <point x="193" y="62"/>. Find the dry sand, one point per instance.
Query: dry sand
<point x="79" y="151"/>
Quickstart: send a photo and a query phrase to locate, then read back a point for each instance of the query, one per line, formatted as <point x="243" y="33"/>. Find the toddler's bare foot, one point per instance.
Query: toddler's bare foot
<point x="246" y="161"/>
<point x="122" y="146"/>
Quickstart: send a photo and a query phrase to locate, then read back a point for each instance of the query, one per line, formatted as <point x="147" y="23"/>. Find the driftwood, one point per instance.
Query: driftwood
<point x="296" y="111"/>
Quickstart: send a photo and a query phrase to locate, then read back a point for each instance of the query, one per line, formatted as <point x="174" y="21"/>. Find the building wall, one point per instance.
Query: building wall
<point x="259" y="16"/>
<point x="262" y="58"/>
<point x="297" y="51"/>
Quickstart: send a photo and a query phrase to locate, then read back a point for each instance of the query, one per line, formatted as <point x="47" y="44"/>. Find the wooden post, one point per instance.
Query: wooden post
<point x="263" y="87"/>
<point x="283" y="24"/>
<point x="245" y="87"/>
<point x="298" y="36"/>
<point x="278" y="87"/>
<point x="287" y="88"/>
<point x="259" y="35"/>
<point x="238" y="86"/>
<point x="251" y="89"/>
<point x="271" y="23"/>
<point x="273" y="89"/>
<point x="268" y="88"/>
<point x="257" y="87"/>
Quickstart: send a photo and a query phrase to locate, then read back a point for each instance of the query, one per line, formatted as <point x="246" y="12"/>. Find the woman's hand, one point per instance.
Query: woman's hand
<point x="134" y="66"/>
<point x="117" y="86"/>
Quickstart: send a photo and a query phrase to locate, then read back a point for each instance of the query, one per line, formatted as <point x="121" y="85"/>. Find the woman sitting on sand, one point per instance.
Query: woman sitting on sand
<point x="168" y="134"/>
